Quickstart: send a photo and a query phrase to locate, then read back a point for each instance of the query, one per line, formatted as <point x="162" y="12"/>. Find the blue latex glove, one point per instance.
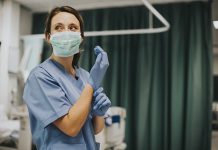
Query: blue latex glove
<point x="101" y="103"/>
<point x="99" y="68"/>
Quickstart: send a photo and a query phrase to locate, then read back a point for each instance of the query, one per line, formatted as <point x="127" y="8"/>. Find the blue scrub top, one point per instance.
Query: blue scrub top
<point x="50" y="91"/>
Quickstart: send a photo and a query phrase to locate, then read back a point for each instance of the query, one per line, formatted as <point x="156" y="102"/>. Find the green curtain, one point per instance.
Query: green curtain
<point x="163" y="80"/>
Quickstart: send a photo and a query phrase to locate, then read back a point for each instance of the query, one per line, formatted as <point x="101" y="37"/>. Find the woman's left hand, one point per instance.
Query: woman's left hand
<point x="101" y="103"/>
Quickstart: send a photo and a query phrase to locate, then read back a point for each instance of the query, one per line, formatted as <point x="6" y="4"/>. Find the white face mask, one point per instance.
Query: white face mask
<point x="65" y="44"/>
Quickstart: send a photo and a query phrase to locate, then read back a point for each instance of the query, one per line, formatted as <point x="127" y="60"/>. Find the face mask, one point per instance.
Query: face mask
<point x="65" y="44"/>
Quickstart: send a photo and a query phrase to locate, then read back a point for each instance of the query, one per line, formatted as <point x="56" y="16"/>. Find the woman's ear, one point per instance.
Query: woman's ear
<point x="47" y="37"/>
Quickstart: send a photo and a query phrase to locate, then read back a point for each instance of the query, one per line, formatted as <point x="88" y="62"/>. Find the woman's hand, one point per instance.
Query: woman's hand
<point x="101" y="103"/>
<point x="99" y="68"/>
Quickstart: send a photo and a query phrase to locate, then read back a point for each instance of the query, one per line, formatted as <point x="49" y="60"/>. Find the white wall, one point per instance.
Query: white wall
<point x="0" y="27"/>
<point x="14" y="21"/>
<point x="9" y="47"/>
<point x="0" y="20"/>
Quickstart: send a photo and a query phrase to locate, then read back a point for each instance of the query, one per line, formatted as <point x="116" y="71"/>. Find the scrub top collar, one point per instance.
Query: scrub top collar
<point x="61" y="66"/>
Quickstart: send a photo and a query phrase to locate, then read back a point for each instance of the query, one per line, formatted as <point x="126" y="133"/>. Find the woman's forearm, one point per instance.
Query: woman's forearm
<point x="72" y="123"/>
<point x="98" y="124"/>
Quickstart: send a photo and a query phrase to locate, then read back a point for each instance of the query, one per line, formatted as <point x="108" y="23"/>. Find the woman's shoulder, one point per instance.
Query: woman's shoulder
<point x="39" y="71"/>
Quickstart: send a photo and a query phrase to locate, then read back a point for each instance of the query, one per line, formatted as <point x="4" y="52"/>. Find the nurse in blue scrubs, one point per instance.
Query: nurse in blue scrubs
<point x="65" y="102"/>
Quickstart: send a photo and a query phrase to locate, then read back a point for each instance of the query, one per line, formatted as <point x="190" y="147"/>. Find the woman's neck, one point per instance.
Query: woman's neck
<point x="66" y="62"/>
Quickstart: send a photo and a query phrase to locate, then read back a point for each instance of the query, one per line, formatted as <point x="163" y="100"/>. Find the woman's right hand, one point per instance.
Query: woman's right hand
<point x="99" y="68"/>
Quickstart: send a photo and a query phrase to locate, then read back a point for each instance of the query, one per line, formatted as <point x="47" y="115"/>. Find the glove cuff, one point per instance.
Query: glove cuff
<point x="91" y="82"/>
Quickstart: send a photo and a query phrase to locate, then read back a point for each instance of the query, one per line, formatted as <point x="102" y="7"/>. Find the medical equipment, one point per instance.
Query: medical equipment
<point x="112" y="137"/>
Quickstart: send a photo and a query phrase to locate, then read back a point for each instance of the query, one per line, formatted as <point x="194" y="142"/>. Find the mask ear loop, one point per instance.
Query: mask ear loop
<point x="48" y="41"/>
<point x="81" y="46"/>
<point x="49" y="35"/>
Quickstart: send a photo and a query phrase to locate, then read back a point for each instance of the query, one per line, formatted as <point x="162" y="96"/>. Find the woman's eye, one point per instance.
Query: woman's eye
<point x="58" y="28"/>
<point x="72" y="28"/>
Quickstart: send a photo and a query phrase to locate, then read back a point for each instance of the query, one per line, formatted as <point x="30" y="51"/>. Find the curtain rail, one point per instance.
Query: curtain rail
<point x="127" y="31"/>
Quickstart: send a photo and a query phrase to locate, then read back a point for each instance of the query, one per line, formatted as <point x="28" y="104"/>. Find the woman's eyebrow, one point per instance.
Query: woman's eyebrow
<point x="57" y="24"/>
<point x="74" y="24"/>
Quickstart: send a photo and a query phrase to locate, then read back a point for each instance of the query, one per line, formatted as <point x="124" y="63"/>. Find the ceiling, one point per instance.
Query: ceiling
<point x="46" y="5"/>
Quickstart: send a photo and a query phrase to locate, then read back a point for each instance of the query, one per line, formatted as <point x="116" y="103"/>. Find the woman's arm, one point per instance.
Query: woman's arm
<point x="72" y="122"/>
<point x="98" y="124"/>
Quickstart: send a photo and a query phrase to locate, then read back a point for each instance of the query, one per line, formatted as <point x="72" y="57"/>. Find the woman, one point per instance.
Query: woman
<point x="64" y="112"/>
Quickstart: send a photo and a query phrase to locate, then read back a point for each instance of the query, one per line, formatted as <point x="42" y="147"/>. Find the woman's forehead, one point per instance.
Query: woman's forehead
<point x="64" y="18"/>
